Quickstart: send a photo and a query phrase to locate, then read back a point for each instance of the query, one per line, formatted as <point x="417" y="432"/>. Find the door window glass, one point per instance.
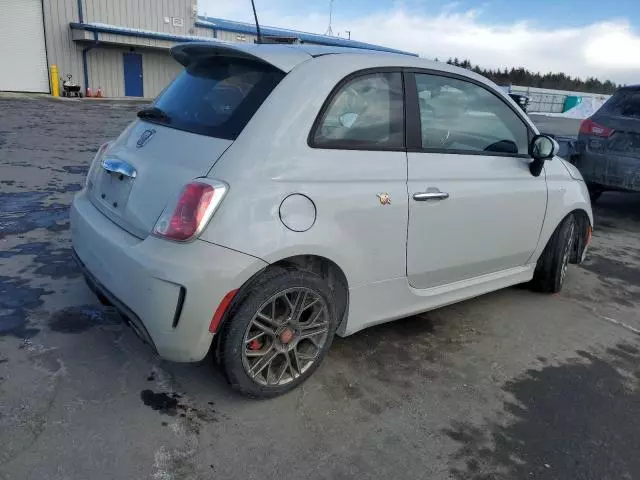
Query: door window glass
<point x="365" y="113"/>
<point x="462" y="116"/>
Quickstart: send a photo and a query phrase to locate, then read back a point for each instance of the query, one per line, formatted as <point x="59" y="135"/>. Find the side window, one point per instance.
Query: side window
<point x="365" y="113"/>
<point x="462" y="116"/>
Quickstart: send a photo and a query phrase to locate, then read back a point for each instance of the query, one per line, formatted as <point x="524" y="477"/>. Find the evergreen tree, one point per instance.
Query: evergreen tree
<point x="523" y="77"/>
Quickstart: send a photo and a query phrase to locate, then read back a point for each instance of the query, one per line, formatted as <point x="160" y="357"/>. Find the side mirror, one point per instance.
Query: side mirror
<point x="542" y="148"/>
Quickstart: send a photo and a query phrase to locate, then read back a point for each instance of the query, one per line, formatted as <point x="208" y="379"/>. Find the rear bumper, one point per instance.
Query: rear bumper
<point x="611" y="170"/>
<point x="109" y="298"/>
<point x="167" y="291"/>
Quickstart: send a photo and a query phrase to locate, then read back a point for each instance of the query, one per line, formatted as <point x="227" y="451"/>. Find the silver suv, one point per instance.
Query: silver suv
<point x="274" y="196"/>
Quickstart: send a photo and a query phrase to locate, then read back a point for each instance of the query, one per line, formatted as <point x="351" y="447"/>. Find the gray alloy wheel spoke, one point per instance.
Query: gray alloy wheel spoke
<point x="260" y="325"/>
<point x="314" y="321"/>
<point x="298" y="305"/>
<point x="265" y="361"/>
<point x="253" y="353"/>
<point x="313" y="331"/>
<point x="266" y="320"/>
<point x="255" y="337"/>
<point x="294" y="367"/>
<point x="291" y="305"/>
<point x="309" y="305"/>
<point x="300" y="355"/>
<point x="314" y="340"/>
<point x="285" y="367"/>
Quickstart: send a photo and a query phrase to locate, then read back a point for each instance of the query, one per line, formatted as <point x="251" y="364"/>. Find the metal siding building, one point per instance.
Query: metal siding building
<point x="119" y="46"/>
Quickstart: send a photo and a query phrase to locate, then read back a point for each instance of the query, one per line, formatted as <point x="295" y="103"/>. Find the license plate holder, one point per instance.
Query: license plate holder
<point x="114" y="190"/>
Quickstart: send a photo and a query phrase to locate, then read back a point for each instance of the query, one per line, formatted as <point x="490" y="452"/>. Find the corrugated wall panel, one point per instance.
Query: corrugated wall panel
<point x="236" y="37"/>
<point x="144" y="14"/>
<point x="106" y="70"/>
<point x="159" y="69"/>
<point x="61" y="50"/>
<point x="203" y="32"/>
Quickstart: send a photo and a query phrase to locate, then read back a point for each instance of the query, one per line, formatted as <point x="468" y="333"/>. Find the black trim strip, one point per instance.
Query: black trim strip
<point x="176" y="315"/>
<point x="412" y="108"/>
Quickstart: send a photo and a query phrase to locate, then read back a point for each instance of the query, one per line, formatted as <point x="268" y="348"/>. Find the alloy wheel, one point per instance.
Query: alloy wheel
<point x="285" y="337"/>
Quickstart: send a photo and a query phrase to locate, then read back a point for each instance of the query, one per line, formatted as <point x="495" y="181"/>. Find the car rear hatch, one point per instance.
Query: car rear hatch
<point x="187" y="129"/>
<point x="615" y="128"/>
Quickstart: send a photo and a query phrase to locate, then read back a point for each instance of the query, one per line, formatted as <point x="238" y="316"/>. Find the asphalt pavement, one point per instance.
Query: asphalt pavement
<point x="511" y="385"/>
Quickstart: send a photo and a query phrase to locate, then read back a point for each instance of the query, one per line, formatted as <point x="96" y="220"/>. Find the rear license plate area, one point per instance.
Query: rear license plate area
<point x="114" y="190"/>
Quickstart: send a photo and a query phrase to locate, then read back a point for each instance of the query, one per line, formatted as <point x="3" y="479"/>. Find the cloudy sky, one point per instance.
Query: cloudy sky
<point x="579" y="37"/>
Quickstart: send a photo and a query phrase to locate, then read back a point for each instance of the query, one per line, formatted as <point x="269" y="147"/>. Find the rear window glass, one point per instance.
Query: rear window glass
<point x="217" y="97"/>
<point x="625" y="103"/>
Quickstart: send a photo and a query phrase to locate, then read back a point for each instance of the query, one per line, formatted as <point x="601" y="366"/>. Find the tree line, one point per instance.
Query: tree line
<point x="523" y="77"/>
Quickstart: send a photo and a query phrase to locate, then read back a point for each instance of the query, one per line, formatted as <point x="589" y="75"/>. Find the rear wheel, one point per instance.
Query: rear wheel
<point x="552" y="265"/>
<point x="279" y="333"/>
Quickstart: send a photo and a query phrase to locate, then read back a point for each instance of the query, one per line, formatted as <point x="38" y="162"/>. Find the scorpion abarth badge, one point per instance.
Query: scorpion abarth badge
<point x="384" y="198"/>
<point x="144" y="138"/>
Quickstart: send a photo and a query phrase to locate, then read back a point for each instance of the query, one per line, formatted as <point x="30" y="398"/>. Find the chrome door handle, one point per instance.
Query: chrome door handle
<point x="112" y="165"/>
<point x="424" y="196"/>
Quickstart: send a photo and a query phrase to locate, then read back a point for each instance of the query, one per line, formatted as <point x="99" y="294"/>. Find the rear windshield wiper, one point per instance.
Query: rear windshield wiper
<point x="154" y="113"/>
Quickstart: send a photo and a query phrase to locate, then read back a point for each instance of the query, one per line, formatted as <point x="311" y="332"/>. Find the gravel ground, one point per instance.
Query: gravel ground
<point x="511" y="385"/>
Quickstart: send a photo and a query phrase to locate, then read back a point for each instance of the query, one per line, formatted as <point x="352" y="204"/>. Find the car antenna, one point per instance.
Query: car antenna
<point x="255" y="15"/>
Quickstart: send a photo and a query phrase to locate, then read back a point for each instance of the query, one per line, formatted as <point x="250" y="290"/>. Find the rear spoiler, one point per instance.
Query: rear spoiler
<point x="282" y="57"/>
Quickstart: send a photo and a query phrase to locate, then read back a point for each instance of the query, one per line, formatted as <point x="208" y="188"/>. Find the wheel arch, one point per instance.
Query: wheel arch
<point x="320" y="265"/>
<point x="583" y="234"/>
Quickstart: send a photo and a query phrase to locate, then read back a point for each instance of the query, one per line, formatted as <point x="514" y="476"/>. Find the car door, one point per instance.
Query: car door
<point x="474" y="207"/>
<point x="358" y="175"/>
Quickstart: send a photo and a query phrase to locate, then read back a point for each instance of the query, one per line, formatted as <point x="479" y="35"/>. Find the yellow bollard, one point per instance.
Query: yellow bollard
<point x="55" y="83"/>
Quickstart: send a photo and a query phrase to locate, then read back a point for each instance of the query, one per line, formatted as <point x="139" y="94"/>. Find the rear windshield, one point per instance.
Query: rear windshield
<point x="625" y="103"/>
<point x="216" y="97"/>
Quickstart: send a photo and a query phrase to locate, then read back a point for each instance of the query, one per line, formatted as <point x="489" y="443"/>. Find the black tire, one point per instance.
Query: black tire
<point x="233" y="342"/>
<point x="595" y="192"/>
<point x="552" y="265"/>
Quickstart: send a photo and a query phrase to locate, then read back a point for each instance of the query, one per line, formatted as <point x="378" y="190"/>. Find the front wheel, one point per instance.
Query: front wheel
<point x="595" y="192"/>
<point x="279" y="333"/>
<point x="552" y="266"/>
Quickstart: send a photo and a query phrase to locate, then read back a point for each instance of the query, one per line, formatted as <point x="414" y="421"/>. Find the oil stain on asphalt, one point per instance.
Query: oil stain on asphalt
<point x="579" y="420"/>
<point x="80" y="319"/>
<point x="161" y="402"/>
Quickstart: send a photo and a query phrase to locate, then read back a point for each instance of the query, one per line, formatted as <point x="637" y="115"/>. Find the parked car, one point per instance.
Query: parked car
<point x="274" y="196"/>
<point x="610" y="144"/>
<point x="521" y="100"/>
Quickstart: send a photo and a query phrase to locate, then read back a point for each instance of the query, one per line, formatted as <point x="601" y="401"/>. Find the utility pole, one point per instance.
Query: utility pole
<point x="348" y="33"/>
<point x="329" y="29"/>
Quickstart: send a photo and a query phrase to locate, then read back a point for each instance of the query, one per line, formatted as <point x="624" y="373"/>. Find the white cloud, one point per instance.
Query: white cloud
<point x="607" y="49"/>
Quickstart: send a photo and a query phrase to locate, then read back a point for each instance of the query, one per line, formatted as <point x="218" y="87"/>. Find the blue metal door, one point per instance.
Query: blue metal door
<point x="133" y="75"/>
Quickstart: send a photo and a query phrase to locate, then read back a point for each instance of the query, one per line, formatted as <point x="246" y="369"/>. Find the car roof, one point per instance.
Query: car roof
<point x="629" y="87"/>
<point x="287" y="57"/>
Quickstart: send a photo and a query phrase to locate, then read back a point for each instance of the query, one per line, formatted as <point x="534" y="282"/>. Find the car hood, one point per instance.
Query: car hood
<point x="572" y="170"/>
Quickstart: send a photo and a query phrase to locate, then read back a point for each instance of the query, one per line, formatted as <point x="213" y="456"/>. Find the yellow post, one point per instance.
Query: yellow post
<point x="55" y="81"/>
